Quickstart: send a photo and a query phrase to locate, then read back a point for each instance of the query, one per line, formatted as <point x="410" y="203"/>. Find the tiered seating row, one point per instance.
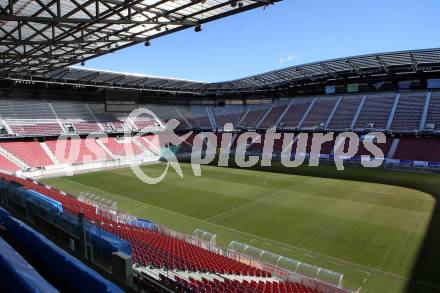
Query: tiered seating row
<point x="433" y="116"/>
<point x="7" y="166"/>
<point x="375" y="110"/>
<point x="30" y="152"/>
<point x="36" y="129"/>
<point x="87" y="127"/>
<point x="232" y="286"/>
<point x="292" y="114"/>
<point x="151" y="247"/>
<point x="118" y="147"/>
<point x="77" y="151"/>
<point x="409" y="113"/>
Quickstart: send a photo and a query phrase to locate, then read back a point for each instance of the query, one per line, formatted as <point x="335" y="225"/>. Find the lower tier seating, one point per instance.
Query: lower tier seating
<point x="232" y="286"/>
<point x="118" y="147"/>
<point x="76" y="151"/>
<point x="7" y="166"/>
<point x="30" y="152"/>
<point x="151" y="247"/>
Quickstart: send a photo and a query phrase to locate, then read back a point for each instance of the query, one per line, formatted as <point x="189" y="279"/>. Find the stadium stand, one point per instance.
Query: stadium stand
<point x="409" y="113"/>
<point x="294" y="115"/>
<point x="77" y="150"/>
<point x="292" y="100"/>
<point x="8" y="166"/>
<point x="25" y="128"/>
<point x="118" y="146"/>
<point x="29" y="151"/>
<point x="390" y="112"/>
<point x="153" y="250"/>
<point x="74" y="274"/>
<point x="17" y="274"/>
<point x="274" y="114"/>
<point x="205" y="285"/>
<point x="229" y="114"/>
<point x="319" y="114"/>
<point x="371" y="111"/>
<point x="433" y="116"/>
<point x="151" y="247"/>
<point x="375" y="112"/>
<point x="345" y="113"/>
<point x="253" y="114"/>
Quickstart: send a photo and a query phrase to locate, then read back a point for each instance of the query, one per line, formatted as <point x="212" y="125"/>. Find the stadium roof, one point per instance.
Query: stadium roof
<point x="85" y="76"/>
<point x="394" y="66"/>
<point x="390" y="66"/>
<point x="38" y="36"/>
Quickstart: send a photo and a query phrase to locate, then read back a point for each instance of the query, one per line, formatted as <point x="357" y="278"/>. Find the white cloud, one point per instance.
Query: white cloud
<point x="287" y="58"/>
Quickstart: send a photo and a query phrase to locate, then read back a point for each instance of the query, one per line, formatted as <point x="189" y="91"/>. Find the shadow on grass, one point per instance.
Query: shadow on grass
<point x="425" y="275"/>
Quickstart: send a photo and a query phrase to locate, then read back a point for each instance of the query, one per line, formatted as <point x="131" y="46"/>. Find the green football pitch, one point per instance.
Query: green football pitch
<point x="359" y="222"/>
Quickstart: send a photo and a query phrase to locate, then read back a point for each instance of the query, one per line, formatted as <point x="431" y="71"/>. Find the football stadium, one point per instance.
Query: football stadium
<point x="320" y="177"/>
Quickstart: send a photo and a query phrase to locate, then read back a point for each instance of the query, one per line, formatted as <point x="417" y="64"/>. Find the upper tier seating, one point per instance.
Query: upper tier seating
<point x="30" y="152"/>
<point x="376" y="110"/>
<point x="253" y="115"/>
<point x="74" y="111"/>
<point x="409" y="112"/>
<point x="144" y="123"/>
<point x="229" y="114"/>
<point x="345" y="113"/>
<point x="274" y="114"/>
<point x="36" y="129"/>
<point x="33" y="118"/>
<point x="434" y="111"/>
<point x="25" y="110"/>
<point x="296" y="112"/>
<point x="87" y="127"/>
<point x="110" y="121"/>
<point x="200" y="114"/>
<point x="319" y="113"/>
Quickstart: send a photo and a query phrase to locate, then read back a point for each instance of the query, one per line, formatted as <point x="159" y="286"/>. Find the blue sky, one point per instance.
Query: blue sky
<point x="288" y="33"/>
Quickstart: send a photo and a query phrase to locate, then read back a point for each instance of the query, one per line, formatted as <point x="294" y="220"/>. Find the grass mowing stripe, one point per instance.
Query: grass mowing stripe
<point x="357" y="225"/>
<point x="242" y="232"/>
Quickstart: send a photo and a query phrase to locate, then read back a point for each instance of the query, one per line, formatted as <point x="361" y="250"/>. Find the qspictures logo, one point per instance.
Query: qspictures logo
<point x="228" y="147"/>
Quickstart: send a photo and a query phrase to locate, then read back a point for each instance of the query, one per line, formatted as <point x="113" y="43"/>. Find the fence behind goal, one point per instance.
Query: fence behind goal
<point x="283" y="264"/>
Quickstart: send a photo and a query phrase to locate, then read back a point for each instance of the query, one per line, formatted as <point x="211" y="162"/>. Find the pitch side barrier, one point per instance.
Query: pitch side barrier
<point x="433" y="167"/>
<point x="48" y="214"/>
<point x="308" y="275"/>
<point x="321" y="279"/>
<point x="390" y="163"/>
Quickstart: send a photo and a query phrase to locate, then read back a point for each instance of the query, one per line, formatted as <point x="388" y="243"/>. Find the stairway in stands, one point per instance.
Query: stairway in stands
<point x="209" y="282"/>
<point x="14" y="159"/>
<point x="393" y="148"/>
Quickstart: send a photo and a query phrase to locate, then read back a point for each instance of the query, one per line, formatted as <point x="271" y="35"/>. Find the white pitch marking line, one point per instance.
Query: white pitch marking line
<point x="335" y="263"/>
<point x="367" y="273"/>
<point x="309" y="255"/>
